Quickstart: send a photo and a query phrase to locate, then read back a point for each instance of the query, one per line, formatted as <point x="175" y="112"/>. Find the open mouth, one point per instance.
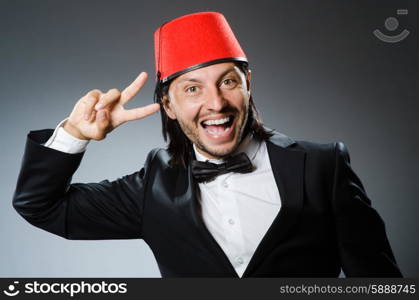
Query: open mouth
<point x="218" y="127"/>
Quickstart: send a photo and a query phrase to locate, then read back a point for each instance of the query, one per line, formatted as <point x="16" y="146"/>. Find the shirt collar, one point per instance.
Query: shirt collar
<point x="249" y="145"/>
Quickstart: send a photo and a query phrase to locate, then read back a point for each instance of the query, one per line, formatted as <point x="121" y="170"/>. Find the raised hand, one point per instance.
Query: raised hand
<point x="96" y="114"/>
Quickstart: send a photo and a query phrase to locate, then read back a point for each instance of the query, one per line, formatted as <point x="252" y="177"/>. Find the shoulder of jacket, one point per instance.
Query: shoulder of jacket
<point x="311" y="146"/>
<point x="328" y="151"/>
<point x="158" y="156"/>
<point x="280" y="139"/>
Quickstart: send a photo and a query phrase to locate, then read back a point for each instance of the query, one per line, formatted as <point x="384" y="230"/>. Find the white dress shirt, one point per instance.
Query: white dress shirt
<point x="237" y="209"/>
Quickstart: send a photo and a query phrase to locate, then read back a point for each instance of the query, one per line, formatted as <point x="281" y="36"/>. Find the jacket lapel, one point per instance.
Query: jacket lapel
<point x="288" y="169"/>
<point x="287" y="164"/>
<point x="187" y="193"/>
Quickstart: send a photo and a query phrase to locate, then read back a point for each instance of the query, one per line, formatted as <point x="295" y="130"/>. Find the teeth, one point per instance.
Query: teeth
<point x="216" y="133"/>
<point x="217" y="122"/>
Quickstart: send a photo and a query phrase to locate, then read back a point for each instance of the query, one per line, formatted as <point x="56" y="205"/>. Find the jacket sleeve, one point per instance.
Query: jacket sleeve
<point x="45" y="197"/>
<point x="363" y="245"/>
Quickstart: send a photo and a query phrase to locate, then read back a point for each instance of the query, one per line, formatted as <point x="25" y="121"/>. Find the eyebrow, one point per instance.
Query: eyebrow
<point x="199" y="81"/>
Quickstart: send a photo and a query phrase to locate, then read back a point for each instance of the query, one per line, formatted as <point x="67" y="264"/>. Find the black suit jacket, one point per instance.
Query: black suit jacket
<point x="325" y="223"/>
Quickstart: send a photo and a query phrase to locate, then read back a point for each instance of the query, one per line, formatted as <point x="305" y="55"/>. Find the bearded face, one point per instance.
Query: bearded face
<point x="211" y="105"/>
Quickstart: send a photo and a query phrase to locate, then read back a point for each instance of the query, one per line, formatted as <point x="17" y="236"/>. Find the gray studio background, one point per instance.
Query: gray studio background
<point x="318" y="74"/>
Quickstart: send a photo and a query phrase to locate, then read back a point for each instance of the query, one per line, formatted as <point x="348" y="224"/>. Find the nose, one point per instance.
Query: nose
<point x="215" y="100"/>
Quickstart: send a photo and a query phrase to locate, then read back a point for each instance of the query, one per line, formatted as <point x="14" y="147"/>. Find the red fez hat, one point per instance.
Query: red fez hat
<point x="194" y="41"/>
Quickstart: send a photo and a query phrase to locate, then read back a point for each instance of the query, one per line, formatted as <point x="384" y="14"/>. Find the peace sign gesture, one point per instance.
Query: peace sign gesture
<point x="96" y="114"/>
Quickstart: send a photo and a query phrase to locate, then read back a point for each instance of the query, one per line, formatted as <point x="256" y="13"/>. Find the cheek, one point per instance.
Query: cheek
<point x="188" y="112"/>
<point x="240" y="99"/>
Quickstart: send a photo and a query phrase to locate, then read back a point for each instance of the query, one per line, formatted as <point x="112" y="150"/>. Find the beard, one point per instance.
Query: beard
<point x="190" y="129"/>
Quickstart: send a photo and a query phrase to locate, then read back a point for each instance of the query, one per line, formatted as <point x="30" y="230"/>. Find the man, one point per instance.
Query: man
<point x="228" y="197"/>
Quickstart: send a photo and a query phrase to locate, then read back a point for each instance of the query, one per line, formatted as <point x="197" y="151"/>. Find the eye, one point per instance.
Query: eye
<point x="192" y="89"/>
<point x="229" y="82"/>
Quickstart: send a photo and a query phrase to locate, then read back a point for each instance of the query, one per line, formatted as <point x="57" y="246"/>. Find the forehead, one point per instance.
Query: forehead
<point x="207" y="73"/>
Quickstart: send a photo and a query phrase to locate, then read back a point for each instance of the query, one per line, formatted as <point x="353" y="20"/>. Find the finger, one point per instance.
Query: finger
<point x="141" y="112"/>
<point x="92" y="117"/>
<point x="89" y="102"/>
<point x="111" y="96"/>
<point x="102" y="119"/>
<point x="130" y="91"/>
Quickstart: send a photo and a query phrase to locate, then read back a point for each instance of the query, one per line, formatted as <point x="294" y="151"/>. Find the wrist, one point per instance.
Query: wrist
<point x="74" y="131"/>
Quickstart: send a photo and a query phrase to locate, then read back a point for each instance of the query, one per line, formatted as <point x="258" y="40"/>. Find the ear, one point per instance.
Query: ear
<point x="167" y="105"/>
<point x="248" y="79"/>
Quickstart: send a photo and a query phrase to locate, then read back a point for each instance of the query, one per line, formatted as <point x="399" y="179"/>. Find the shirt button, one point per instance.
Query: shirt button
<point x="239" y="260"/>
<point x="231" y="221"/>
<point x="225" y="184"/>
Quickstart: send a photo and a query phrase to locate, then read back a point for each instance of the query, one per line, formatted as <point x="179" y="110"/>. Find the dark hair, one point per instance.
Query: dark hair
<point x="180" y="147"/>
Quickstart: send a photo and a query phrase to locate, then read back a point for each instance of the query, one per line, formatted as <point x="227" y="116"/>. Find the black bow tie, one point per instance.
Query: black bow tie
<point x="205" y="171"/>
